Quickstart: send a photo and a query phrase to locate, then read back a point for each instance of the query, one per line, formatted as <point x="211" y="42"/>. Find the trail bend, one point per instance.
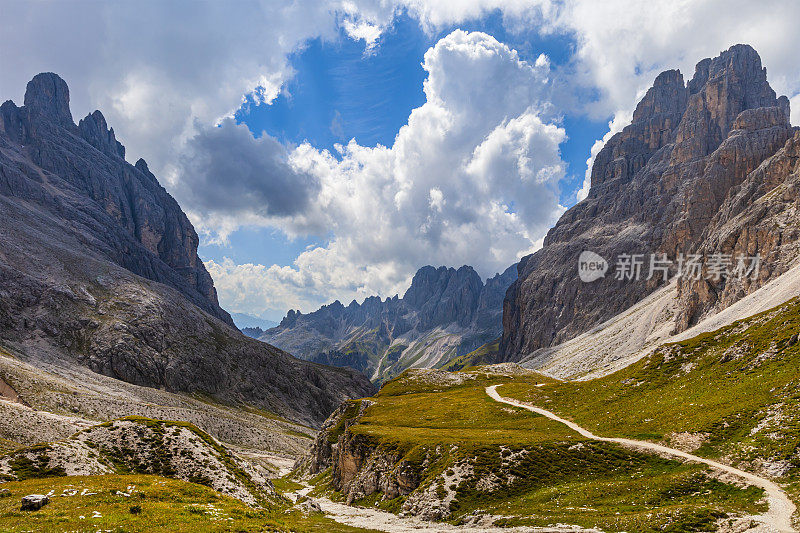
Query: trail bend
<point x="781" y="508"/>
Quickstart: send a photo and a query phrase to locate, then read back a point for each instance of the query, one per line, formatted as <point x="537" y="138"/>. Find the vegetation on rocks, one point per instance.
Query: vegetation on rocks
<point x="138" y="445"/>
<point x="482" y="355"/>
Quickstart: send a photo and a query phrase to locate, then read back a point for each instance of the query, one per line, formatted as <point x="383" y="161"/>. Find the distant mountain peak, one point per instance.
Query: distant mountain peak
<point x="445" y="312"/>
<point x="48" y="95"/>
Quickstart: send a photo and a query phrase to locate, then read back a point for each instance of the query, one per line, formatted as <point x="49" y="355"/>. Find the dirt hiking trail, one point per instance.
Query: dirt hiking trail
<point x="779" y="516"/>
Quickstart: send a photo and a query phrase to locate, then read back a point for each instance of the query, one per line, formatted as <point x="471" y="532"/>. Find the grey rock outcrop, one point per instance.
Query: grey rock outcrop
<point x="656" y="187"/>
<point x="359" y="468"/>
<point x="144" y="446"/>
<point x="34" y="502"/>
<point x="759" y="217"/>
<point x="94" y="130"/>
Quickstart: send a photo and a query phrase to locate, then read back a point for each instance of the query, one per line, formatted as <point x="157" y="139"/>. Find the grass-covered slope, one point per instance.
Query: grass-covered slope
<point x="442" y="449"/>
<point x="482" y="355"/>
<point x="144" y="503"/>
<point x="732" y="394"/>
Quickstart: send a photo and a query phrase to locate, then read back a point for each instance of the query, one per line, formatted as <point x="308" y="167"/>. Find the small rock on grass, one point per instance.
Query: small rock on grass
<point x="34" y="502"/>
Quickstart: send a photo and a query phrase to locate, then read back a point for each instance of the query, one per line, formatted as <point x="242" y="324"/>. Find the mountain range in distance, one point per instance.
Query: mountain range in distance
<point x="247" y="322"/>
<point x="445" y="314"/>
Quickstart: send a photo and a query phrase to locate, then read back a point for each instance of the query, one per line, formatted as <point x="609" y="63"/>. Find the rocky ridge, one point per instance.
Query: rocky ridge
<point x="142" y="446"/>
<point x="98" y="268"/>
<point x="445" y="313"/>
<point x="358" y="467"/>
<point x="684" y="177"/>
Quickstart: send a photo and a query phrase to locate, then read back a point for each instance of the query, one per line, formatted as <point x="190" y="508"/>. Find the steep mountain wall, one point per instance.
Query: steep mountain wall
<point x="665" y="184"/>
<point x="99" y="268"/>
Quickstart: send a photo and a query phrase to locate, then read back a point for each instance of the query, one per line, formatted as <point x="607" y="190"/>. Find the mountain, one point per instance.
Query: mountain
<point x="80" y="175"/>
<point x="707" y="167"/>
<point x="445" y="313"/>
<point x="99" y="269"/>
<point x="244" y="321"/>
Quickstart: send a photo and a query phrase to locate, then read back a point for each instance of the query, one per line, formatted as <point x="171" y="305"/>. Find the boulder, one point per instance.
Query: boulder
<point x="308" y="506"/>
<point x="34" y="502"/>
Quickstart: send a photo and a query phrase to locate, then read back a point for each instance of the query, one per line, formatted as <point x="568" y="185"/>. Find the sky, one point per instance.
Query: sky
<point x="328" y="149"/>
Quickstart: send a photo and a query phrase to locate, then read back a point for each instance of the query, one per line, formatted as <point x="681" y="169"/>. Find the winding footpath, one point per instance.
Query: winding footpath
<point x="781" y="508"/>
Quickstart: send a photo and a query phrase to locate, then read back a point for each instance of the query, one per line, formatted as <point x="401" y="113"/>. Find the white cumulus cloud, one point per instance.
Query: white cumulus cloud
<point x="471" y="179"/>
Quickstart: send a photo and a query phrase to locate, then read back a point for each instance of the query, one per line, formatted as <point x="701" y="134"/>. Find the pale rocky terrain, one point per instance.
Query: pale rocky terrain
<point x="637" y="331"/>
<point x="143" y="446"/>
<point x="53" y="402"/>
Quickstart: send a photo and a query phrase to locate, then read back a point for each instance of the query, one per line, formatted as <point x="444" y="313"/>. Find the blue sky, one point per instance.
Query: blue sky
<point x="341" y="90"/>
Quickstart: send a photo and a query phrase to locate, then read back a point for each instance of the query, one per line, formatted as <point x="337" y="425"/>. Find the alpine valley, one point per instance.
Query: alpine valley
<point x="529" y="401"/>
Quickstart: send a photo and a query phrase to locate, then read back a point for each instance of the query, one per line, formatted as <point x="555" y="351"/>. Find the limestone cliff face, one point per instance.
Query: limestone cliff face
<point x="99" y="268"/>
<point x="656" y="187"/>
<point x="81" y="172"/>
<point x="759" y="217"/>
<point x="358" y="466"/>
<point x="445" y="313"/>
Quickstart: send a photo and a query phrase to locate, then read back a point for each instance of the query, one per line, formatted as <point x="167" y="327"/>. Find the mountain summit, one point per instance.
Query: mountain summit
<point x="99" y="269"/>
<point x="445" y="313"/>
<point x="121" y="207"/>
<point x="672" y="182"/>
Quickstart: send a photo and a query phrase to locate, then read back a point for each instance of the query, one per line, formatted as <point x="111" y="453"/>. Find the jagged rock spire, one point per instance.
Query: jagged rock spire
<point x="48" y="95"/>
<point x="94" y="129"/>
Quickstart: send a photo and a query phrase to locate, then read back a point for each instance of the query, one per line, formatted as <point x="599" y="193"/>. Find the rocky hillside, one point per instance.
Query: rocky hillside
<point x="98" y="268"/>
<point x="433" y="444"/>
<point x="142" y="446"/>
<point x="445" y="313"/>
<point x="705" y="167"/>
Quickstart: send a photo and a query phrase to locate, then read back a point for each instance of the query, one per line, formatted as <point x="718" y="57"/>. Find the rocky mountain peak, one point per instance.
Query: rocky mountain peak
<point x="99" y="270"/>
<point x="140" y="225"/>
<point x="48" y="95"/>
<point x="96" y="132"/>
<point x="667" y="95"/>
<point x="429" y="282"/>
<point x="655" y="187"/>
<point x="722" y="88"/>
<point x="446" y="312"/>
